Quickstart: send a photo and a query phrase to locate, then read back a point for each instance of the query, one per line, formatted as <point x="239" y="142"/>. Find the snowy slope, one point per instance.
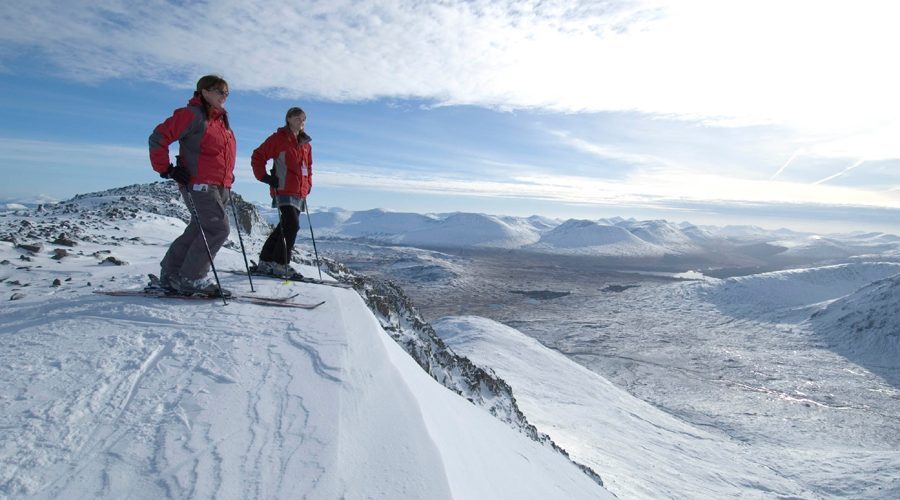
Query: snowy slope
<point x="664" y="234"/>
<point x="585" y="237"/>
<point x="786" y="294"/>
<point x="445" y="230"/>
<point x="377" y="223"/>
<point x="816" y="247"/>
<point x="864" y="325"/>
<point x="542" y="224"/>
<point x="473" y="230"/>
<point x="113" y="397"/>
<point x="326" y="219"/>
<point x="642" y="451"/>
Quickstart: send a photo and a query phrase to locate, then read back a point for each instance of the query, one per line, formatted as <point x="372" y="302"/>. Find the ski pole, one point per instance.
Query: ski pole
<point x="237" y="225"/>
<point x="313" y="236"/>
<point x="196" y="215"/>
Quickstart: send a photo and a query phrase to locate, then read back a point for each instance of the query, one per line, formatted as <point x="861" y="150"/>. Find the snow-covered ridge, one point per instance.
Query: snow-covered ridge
<point x="781" y="291"/>
<point x="135" y="224"/>
<point x="453" y="230"/>
<point x="479" y="385"/>
<point x="864" y="325"/>
<point x="584" y="237"/>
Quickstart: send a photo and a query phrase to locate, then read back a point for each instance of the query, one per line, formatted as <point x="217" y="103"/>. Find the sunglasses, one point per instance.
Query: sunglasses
<point x="223" y="93"/>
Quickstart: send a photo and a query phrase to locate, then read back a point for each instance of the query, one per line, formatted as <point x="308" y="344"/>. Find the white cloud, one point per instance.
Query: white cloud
<point x="648" y="188"/>
<point x="15" y="151"/>
<point x="643" y="186"/>
<point x="83" y="155"/>
<point x="822" y="70"/>
<point x="823" y="67"/>
<point x="842" y="172"/>
<point x="609" y="152"/>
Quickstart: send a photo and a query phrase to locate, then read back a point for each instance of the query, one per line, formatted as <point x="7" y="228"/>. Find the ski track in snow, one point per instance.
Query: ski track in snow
<point x="127" y="398"/>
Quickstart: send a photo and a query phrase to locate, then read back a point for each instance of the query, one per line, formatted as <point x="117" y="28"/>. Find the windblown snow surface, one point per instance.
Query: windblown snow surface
<point x="131" y="397"/>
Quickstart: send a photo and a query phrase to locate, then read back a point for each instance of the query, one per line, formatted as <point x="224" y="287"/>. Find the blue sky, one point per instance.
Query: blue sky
<point x="756" y="112"/>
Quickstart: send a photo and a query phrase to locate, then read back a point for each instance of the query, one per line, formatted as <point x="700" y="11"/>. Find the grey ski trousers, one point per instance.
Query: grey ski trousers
<point x="187" y="254"/>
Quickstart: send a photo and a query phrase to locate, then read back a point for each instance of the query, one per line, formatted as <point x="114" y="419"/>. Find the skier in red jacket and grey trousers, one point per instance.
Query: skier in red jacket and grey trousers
<point x="205" y="172"/>
<point x="290" y="181"/>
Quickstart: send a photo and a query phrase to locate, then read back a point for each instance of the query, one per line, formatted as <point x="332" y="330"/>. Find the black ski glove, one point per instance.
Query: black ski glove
<point x="271" y="180"/>
<point x="179" y="174"/>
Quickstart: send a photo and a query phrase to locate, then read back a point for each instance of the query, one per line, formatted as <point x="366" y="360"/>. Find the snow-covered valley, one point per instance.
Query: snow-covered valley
<point x="776" y="385"/>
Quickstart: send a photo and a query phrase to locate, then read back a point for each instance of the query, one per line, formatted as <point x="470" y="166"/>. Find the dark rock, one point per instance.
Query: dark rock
<point x="113" y="260"/>
<point x="540" y="294"/>
<point x="25" y="258"/>
<point x="59" y="253"/>
<point x="56" y="282"/>
<point x="17" y="296"/>
<point x="64" y="240"/>
<point x="30" y="247"/>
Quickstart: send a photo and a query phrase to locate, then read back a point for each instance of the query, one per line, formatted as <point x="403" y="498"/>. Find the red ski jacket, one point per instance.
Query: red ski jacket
<point x="293" y="162"/>
<point x="206" y="145"/>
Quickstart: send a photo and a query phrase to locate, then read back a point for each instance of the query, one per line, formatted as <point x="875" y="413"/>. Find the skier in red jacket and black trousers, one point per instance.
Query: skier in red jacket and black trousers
<point x="289" y="180"/>
<point x="205" y="172"/>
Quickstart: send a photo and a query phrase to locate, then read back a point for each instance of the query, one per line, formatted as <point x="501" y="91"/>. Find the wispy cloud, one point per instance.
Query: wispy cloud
<point x="646" y="188"/>
<point x="609" y="152"/>
<point x="28" y="153"/>
<point x="643" y="186"/>
<point x="815" y="66"/>
<point x="783" y="167"/>
<point x="15" y="151"/>
<point x="842" y="172"/>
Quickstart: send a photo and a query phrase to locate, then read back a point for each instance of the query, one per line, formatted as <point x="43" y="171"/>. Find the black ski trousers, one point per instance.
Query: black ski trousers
<point x="283" y="237"/>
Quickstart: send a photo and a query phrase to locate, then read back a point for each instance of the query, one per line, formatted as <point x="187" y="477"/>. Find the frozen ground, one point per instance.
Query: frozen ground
<point x="738" y="358"/>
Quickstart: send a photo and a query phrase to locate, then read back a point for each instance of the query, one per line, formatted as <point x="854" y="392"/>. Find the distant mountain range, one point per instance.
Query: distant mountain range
<point x="647" y="241"/>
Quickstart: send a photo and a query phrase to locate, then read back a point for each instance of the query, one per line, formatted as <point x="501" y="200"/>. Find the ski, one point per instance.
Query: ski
<point x="156" y="287"/>
<point x="247" y="299"/>
<point x="296" y="278"/>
